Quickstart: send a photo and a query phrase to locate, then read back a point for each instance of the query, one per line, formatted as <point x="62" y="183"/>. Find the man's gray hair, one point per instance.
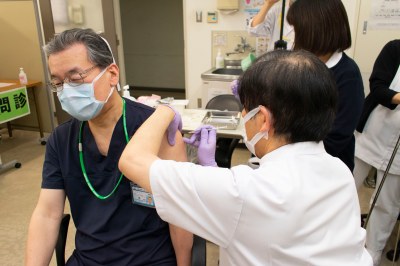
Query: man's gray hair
<point x="97" y="49"/>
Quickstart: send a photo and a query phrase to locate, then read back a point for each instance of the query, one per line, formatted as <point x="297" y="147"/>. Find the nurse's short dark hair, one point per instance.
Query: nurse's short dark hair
<point x="320" y="26"/>
<point x="297" y="88"/>
<point x="97" y="49"/>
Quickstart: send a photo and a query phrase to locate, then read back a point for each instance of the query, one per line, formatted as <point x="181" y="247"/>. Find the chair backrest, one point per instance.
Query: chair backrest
<point x="62" y="240"/>
<point x="199" y="253"/>
<point x="224" y="102"/>
<point x="225" y="146"/>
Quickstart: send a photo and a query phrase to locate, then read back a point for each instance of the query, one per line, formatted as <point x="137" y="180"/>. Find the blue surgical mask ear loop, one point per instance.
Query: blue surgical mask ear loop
<point x="82" y="163"/>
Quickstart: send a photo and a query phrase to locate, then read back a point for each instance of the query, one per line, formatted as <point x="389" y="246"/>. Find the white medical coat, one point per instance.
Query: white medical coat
<point x="271" y="27"/>
<point x="381" y="132"/>
<point x="300" y="207"/>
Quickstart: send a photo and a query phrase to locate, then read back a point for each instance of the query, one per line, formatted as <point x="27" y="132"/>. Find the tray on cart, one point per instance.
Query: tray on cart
<point x="222" y="119"/>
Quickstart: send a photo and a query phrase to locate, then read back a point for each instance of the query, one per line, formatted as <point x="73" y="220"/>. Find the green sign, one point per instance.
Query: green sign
<point x="13" y="104"/>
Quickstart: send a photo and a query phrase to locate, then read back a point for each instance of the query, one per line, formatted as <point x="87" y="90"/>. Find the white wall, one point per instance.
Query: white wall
<point x="198" y="45"/>
<point x="64" y="13"/>
<point x="352" y="7"/>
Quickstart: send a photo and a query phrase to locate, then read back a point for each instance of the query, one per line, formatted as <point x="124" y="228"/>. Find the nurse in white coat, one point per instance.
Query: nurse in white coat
<point x="380" y="127"/>
<point x="300" y="207"/>
<point x="267" y="23"/>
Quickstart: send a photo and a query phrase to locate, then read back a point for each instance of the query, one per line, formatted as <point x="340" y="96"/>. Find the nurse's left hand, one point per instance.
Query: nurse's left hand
<point x="174" y="126"/>
<point x="235" y="88"/>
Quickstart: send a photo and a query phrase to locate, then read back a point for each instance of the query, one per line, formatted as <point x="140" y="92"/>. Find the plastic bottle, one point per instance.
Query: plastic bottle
<point x="219" y="60"/>
<point x="127" y="94"/>
<point x="22" y="76"/>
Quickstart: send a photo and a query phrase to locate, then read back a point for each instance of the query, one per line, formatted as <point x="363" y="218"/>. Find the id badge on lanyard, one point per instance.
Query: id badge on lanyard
<point x="141" y="197"/>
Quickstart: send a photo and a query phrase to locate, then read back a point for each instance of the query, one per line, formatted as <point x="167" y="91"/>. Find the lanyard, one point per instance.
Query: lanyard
<point x="80" y="147"/>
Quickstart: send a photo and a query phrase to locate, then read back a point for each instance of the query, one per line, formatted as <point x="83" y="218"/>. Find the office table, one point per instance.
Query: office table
<point x="32" y="84"/>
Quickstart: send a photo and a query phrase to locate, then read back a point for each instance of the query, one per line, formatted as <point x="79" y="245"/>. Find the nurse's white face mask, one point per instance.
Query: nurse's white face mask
<point x="250" y="144"/>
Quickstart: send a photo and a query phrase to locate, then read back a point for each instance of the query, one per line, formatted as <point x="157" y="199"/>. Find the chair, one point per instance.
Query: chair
<point x="199" y="253"/>
<point x="198" y="250"/>
<point x="225" y="146"/>
<point x="225" y="102"/>
<point x="62" y="239"/>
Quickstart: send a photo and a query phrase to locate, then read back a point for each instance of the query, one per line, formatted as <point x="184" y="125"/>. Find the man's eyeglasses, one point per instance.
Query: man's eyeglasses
<point x="73" y="79"/>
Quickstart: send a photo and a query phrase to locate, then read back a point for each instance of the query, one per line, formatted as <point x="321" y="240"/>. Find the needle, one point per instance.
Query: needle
<point x="209" y="129"/>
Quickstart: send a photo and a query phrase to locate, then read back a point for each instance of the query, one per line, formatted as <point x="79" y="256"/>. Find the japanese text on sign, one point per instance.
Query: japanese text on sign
<point x="13" y="104"/>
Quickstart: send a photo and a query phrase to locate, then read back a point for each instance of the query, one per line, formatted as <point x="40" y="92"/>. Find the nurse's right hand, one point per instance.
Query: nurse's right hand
<point x="204" y="138"/>
<point x="207" y="146"/>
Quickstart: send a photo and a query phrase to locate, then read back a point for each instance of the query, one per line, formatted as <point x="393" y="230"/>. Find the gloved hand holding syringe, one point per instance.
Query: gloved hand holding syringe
<point x="204" y="138"/>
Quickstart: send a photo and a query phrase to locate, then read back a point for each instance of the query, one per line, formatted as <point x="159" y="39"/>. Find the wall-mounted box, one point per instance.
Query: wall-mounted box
<point x="228" y="4"/>
<point x="212" y="17"/>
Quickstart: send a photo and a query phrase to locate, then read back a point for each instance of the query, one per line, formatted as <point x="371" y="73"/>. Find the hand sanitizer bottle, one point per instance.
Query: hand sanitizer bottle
<point x="219" y="60"/>
<point x="126" y="93"/>
<point x="22" y="76"/>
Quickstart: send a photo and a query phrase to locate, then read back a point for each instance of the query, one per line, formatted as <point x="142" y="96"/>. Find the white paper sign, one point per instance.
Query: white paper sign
<point x="385" y="14"/>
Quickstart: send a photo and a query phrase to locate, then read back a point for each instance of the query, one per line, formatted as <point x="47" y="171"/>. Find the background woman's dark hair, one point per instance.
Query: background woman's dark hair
<point x="297" y="88"/>
<point x="320" y="26"/>
<point x="97" y="48"/>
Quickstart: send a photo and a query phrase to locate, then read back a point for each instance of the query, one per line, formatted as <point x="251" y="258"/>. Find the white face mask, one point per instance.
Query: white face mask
<point x="80" y="101"/>
<point x="250" y="144"/>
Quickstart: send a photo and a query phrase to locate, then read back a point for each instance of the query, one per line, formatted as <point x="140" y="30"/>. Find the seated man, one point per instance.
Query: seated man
<point x="300" y="207"/>
<point x="114" y="225"/>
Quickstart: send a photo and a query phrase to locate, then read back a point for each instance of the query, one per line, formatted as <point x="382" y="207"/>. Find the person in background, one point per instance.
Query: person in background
<point x="379" y="129"/>
<point x="322" y="27"/>
<point x="300" y="207"/>
<point x="113" y="225"/>
<point x="267" y="23"/>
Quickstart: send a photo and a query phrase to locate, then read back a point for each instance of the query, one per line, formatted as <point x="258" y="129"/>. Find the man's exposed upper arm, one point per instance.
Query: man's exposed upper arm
<point x="176" y="152"/>
<point x="51" y="202"/>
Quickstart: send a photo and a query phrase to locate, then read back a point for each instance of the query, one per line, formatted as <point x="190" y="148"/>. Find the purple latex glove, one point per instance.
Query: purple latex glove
<point x="174" y="126"/>
<point x="194" y="140"/>
<point x="234" y="88"/>
<point x="205" y="138"/>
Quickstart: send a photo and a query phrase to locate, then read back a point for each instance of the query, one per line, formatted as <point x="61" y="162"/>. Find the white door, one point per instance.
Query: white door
<point x="153" y="44"/>
<point x="369" y="38"/>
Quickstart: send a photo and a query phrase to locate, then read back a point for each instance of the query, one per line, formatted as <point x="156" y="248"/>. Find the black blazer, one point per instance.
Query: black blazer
<point x="385" y="69"/>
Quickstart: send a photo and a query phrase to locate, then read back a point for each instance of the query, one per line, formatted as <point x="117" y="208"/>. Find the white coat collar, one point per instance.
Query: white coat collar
<point x="334" y="59"/>
<point x="283" y="152"/>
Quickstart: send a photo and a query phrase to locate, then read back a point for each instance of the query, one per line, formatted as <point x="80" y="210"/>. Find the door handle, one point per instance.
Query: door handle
<point x="365" y="26"/>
